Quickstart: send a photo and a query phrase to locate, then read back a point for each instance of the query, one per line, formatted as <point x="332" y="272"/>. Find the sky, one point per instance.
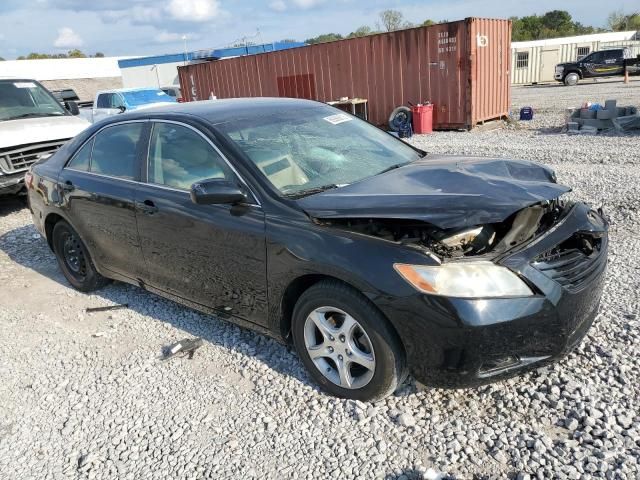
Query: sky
<point x="149" y="27"/>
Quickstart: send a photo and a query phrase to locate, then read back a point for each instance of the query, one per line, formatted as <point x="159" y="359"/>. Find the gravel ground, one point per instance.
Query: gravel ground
<point x="85" y="395"/>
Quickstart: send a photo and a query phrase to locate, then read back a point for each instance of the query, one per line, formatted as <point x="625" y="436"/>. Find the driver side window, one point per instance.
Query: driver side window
<point x="180" y="157"/>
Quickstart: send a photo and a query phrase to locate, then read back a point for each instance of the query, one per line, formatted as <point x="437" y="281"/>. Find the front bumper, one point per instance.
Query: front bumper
<point x="11" y="184"/>
<point x="453" y="342"/>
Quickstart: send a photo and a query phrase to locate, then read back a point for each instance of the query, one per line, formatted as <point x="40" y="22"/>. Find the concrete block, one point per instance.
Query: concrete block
<point x="610" y="104"/>
<point x="586" y="113"/>
<point x="606" y="114"/>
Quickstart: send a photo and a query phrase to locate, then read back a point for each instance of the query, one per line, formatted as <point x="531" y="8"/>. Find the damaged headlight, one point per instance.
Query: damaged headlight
<point x="464" y="280"/>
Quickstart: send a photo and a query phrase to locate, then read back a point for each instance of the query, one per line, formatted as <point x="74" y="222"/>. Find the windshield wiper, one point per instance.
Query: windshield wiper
<point x="310" y="191"/>
<point x="393" y="167"/>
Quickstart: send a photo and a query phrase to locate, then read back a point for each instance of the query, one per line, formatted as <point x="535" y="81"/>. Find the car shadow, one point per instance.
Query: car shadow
<point x="12" y="204"/>
<point x="25" y="246"/>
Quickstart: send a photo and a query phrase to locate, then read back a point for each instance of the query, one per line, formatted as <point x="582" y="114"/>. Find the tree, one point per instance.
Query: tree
<point x="619" y="22"/>
<point x="75" y="53"/>
<point x="362" y="31"/>
<point x="556" y="23"/>
<point x="325" y="37"/>
<point x="428" y="22"/>
<point x="99" y="55"/>
<point x="1" y="59"/>
<point x="392" y="20"/>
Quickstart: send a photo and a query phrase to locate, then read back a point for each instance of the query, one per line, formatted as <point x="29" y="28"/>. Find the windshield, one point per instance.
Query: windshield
<point x="316" y="148"/>
<point x="24" y="99"/>
<point x="145" y="97"/>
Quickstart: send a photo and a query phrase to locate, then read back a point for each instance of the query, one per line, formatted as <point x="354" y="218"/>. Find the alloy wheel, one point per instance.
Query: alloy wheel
<point x="339" y="347"/>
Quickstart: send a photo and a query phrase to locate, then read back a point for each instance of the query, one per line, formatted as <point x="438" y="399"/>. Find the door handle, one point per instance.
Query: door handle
<point x="147" y="207"/>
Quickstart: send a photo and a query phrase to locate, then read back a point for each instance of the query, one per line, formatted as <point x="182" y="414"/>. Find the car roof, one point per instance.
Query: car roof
<point x="222" y="111"/>
<point x="126" y="90"/>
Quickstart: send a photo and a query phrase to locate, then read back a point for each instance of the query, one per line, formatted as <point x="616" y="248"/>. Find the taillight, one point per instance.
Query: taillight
<point x="28" y="179"/>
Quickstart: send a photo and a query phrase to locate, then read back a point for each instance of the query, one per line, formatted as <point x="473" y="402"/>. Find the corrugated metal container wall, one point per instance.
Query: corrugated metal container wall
<point x="462" y="67"/>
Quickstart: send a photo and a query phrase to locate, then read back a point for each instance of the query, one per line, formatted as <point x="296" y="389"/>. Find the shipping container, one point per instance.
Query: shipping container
<point x="461" y="67"/>
<point x="535" y="61"/>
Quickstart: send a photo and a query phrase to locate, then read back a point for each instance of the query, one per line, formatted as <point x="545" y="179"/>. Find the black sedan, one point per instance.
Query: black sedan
<point x="295" y="219"/>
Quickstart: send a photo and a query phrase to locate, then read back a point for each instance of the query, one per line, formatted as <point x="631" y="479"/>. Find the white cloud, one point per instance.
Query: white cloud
<point x="304" y="4"/>
<point x="278" y="6"/>
<point x="67" y="38"/>
<point x="193" y="10"/>
<point x="167" y="37"/>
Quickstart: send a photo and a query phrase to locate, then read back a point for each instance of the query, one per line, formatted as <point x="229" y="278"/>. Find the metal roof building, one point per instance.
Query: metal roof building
<point x="534" y="61"/>
<point x="162" y="70"/>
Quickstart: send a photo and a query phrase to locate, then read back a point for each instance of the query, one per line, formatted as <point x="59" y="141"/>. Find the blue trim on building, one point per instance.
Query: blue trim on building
<point x="214" y="54"/>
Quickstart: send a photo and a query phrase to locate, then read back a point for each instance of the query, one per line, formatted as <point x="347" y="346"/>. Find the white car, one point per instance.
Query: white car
<point x="113" y="102"/>
<point x="33" y="125"/>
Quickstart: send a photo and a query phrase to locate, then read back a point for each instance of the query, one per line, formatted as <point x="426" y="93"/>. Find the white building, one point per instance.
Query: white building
<point x="85" y="75"/>
<point x="535" y="61"/>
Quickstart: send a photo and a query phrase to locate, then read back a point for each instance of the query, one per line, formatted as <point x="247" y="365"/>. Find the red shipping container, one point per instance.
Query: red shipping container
<point x="422" y="118"/>
<point x="461" y="67"/>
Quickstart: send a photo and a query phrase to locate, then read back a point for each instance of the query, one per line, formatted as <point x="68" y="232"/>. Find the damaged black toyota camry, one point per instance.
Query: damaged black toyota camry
<point x="290" y="217"/>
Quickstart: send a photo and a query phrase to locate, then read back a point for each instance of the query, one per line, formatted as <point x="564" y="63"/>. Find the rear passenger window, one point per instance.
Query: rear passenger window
<point x="179" y="157"/>
<point x="114" y="150"/>
<point x="80" y="160"/>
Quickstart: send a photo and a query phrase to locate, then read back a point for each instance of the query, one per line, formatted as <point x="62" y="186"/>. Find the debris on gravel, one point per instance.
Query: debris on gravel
<point x="74" y="404"/>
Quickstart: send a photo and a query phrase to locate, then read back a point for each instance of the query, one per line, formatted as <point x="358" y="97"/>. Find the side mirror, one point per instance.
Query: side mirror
<point x="122" y="108"/>
<point x="216" y="191"/>
<point x="72" y="107"/>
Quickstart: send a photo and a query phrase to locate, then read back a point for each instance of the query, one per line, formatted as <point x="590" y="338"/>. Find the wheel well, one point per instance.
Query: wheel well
<point x="291" y="295"/>
<point x="293" y="292"/>
<point x="49" y="223"/>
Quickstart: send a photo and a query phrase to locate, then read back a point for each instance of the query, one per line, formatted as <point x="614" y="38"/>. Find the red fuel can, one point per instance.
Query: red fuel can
<point x="422" y="118"/>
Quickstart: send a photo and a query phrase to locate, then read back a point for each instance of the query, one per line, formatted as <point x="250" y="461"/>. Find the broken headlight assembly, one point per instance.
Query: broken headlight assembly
<point x="464" y="280"/>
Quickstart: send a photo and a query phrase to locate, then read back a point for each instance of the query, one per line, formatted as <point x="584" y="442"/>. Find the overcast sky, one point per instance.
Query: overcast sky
<point x="146" y="27"/>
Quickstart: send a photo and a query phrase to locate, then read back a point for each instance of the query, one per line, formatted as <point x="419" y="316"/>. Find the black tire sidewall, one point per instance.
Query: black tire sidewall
<point x="92" y="280"/>
<point x="389" y="355"/>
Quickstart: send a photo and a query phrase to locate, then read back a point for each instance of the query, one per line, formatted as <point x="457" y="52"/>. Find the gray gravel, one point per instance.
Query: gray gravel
<point x="85" y="396"/>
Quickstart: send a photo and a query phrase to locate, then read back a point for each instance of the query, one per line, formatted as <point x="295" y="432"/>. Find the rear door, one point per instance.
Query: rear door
<point x="213" y="255"/>
<point x="98" y="189"/>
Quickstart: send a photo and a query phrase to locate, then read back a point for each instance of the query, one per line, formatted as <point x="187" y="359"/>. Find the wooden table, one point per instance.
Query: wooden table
<point x="352" y="104"/>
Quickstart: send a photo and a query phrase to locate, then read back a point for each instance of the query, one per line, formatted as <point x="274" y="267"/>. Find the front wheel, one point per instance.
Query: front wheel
<point x="346" y="344"/>
<point x="74" y="259"/>
<point x="571" y="79"/>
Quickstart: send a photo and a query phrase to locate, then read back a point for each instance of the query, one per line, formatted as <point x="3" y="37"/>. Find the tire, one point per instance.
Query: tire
<point x="74" y="259"/>
<point x="370" y="340"/>
<point x="571" y="79"/>
<point x="400" y="118"/>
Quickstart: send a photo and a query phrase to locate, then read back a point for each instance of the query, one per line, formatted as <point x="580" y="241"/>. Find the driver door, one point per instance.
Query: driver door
<point x="213" y="255"/>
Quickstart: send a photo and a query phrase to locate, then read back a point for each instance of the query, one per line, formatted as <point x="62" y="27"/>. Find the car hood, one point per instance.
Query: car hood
<point x="33" y="130"/>
<point x="445" y="191"/>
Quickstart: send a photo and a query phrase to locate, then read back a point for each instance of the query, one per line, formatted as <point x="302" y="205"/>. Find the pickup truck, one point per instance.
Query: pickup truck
<point x="603" y="63"/>
<point x="113" y="102"/>
<point x="33" y="125"/>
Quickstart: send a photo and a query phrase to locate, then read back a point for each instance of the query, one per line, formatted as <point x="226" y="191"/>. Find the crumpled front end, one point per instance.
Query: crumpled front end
<point x="459" y="342"/>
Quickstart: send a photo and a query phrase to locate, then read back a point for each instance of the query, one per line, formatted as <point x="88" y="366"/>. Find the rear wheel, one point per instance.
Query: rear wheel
<point x="346" y="344"/>
<point x="74" y="259"/>
<point x="571" y="79"/>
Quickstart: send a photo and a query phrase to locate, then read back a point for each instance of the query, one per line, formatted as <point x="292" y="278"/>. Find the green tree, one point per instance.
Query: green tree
<point x="556" y="23"/>
<point x="99" y="55"/>
<point x="75" y="53"/>
<point x="428" y="22"/>
<point x="325" y="37"/>
<point x="362" y="31"/>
